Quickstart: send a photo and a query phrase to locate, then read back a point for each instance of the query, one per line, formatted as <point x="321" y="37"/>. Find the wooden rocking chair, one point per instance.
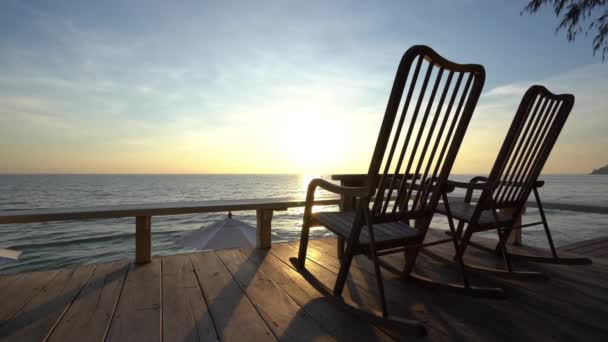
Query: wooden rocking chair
<point x="529" y="141"/>
<point x="422" y="140"/>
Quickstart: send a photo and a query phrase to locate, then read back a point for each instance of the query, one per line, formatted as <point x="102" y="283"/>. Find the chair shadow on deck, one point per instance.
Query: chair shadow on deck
<point x="243" y="277"/>
<point x="368" y="316"/>
<point x="240" y="279"/>
<point x="450" y="315"/>
<point x="326" y="311"/>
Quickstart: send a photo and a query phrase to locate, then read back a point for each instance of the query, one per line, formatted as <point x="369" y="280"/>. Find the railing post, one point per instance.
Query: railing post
<point x="143" y="239"/>
<point x="264" y="225"/>
<point x="346" y="203"/>
<point x="516" y="235"/>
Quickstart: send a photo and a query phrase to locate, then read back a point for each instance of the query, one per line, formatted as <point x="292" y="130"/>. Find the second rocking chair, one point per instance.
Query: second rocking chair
<point x="514" y="176"/>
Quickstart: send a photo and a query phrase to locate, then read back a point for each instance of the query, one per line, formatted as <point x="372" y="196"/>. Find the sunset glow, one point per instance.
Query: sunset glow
<point x="281" y="87"/>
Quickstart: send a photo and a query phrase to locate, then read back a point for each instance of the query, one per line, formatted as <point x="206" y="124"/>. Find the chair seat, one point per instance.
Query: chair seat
<point x="387" y="235"/>
<point x="464" y="212"/>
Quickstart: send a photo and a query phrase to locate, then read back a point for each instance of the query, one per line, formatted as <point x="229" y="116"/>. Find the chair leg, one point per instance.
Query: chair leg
<point x="380" y="284"/>
<point x="303" y="244"/>
<point x="410" y="254"/>
<point x="466" y="288"/>
<point x="460" y="256"/>
<point x="554" y="258"/>
<point x="453" y="231"/>
<point x="345" y="262"/>
<point x="501" y="246"/>
<point x="545" y="224"/>
<point x="340" y="247"/>
<point x="502" y="243"/>
<point x="459" y="229"/>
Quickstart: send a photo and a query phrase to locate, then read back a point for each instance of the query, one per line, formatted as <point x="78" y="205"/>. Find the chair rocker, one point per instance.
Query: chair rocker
<point x="440" y="97"/>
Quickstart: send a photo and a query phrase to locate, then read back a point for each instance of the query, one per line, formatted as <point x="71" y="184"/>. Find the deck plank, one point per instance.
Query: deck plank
<point x="584" y="298"/>
<point x="573" y="247"/>
<point x="542" y="308"/>
<point x="7" y="280"/>
<point x="185" y="313"/>
<point x="20" y="291"/>
<point x="35" y="319"/>
<point x="559" y="303"/>
<point x="138" y="313"/>
<point x="258" y="295"/>
<point x="92" y="310"/>
<point x="232" y="312"/>
<point x="282" y="314"/>
<point x="592" y="250"/>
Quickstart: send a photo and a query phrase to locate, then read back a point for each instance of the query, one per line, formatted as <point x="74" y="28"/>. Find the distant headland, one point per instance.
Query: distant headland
<point x="600" y="171"/>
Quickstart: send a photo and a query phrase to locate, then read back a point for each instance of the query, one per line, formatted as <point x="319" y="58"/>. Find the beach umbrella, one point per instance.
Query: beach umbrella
<point x="8" y="256"/>
<point x="226" y="233"/>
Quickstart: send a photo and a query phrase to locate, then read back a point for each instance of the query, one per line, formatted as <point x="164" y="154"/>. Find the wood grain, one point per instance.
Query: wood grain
<point x="38" y="316"/>
<point x="91" y="312"/>
<point x="185" y="314"/>
<point x="282" y="314"/>
<point x="138" y="314"/>
<point x="232" y="311"/>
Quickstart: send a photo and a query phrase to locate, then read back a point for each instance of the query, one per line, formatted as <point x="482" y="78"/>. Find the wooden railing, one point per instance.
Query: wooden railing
<point x="143" y="216"/>
<point x="264" y="212"/>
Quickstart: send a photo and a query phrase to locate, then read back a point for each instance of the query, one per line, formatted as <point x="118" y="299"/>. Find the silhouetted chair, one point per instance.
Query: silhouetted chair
<point x="422" y="139"/>
<point x="529" y="141"/>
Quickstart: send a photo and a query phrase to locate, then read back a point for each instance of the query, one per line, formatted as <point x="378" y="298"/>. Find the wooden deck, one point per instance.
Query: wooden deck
<point x="593" y="248"/>
<point x="253" y="294"/>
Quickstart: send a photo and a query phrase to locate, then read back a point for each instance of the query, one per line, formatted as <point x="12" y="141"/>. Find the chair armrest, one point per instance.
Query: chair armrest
<point x="361" y="179"/>
<point x="539" y="184"/>
<point x="470" y="185"/>
<point x="476" y="183"/>
<point x="331" y="187"/>
<point x="350" y="191"/>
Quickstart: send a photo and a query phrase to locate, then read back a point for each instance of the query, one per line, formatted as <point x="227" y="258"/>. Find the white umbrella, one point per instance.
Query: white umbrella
<point x="226" y="233"/>
<point x="8" y="256"/>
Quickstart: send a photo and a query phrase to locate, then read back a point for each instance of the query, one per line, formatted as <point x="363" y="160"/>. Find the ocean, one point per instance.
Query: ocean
<point x="59" y="244"/>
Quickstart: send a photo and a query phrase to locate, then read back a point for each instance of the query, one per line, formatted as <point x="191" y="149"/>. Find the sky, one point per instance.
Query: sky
<point x="267" y="86"/>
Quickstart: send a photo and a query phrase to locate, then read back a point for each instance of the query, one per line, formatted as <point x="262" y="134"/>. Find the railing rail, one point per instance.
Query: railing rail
<point x="264" y="212"/>
<point x="143" y="213"/>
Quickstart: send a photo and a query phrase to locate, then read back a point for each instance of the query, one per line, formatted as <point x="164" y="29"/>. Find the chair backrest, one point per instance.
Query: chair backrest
<point x="537" y="124"/>
<point x="421" y="133"/>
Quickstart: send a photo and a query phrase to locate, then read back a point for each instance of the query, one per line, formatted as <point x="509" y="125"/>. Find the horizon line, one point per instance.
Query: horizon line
<point x="221" y="174"/>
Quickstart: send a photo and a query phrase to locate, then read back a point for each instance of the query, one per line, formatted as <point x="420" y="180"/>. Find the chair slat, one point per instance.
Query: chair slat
<point x="538" y="150"/>
<point x="538" y="122"/>
<point x="421" y="131"/>
<point x="513" y="159"/>
<point x="522" y="142"/>
<point x="408" y="98"/>
<point x="535" y="139"/>
<point x="408" y="135"/>
<point x="446" y="119"/>
<point x="431" y="156"/>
